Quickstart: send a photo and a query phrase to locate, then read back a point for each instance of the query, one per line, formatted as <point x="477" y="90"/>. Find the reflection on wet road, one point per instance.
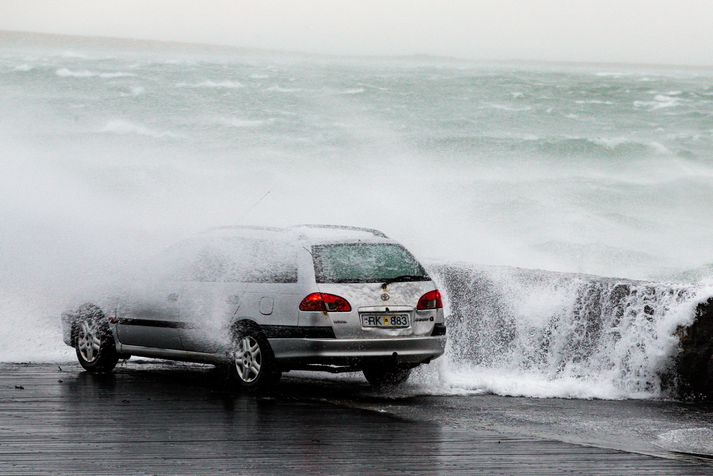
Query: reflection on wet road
<point x="658" y="427"/>
<point x="161" y="418"/>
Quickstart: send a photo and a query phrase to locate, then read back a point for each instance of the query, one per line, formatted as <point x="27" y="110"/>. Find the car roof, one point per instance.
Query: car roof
<point x="311" y="234"/>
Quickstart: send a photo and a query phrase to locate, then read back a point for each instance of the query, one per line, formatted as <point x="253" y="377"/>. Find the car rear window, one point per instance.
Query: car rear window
<point x="364" y="263"/>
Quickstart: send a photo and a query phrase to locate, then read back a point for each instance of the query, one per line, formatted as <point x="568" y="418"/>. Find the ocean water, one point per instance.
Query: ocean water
<point x="111" y="150"/>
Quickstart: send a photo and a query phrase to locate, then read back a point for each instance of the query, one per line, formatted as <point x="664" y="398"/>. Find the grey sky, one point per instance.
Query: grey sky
<point x="653" y="31"/>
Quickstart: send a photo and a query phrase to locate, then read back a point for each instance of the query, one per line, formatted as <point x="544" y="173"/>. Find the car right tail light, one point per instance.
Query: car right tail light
<point x="430" y="300"/>
<point x="323" y="302"/>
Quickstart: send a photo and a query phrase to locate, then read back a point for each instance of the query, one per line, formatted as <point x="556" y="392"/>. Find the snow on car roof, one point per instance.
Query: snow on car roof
<point x="311" y="233"/>
<point x="329" y="233"/>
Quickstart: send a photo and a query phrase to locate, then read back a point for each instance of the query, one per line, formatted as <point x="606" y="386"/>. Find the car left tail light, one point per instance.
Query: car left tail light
<point x="323" y="302"/>
<point x="430" y="300"/>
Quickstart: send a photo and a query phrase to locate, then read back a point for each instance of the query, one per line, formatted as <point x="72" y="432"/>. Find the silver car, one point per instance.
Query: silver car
<point x="263" y="301"/>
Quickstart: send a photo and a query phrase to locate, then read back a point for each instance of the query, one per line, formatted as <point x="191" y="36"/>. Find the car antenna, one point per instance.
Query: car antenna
<point x="254" y="205"/>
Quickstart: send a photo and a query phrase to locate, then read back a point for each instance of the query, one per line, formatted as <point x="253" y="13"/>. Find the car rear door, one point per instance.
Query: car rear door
<point x="206" y="312"/>
<point x="150" y="317"/>
<point x="255" y="281"/>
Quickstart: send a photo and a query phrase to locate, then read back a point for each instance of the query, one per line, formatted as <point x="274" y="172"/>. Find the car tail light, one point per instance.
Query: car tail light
<point x="323" y="302"/>
<point x="430" y="300"/>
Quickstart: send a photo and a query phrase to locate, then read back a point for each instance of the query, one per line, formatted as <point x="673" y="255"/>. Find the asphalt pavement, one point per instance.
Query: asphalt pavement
<point x="164" y="418"/>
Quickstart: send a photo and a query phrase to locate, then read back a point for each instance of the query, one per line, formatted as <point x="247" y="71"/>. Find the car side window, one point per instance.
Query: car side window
<point x="230" y="259"/>
<point x="263" y="261"/>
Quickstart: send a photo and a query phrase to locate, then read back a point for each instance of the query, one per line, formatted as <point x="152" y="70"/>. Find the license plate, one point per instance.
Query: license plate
<point x="384" y="320"/>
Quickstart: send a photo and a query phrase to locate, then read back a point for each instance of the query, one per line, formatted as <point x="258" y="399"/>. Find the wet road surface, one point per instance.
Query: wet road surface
<point x="160" y="418"/>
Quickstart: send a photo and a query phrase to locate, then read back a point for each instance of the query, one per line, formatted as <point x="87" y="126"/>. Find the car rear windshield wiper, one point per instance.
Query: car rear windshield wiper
<point x="405" y="278"/>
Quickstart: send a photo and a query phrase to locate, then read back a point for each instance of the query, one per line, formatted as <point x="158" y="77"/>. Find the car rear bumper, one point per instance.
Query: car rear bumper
<point x="410" y="350"/>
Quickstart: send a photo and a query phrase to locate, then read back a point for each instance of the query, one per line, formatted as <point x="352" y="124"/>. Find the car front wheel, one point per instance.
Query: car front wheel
<point x="94" y="343"/>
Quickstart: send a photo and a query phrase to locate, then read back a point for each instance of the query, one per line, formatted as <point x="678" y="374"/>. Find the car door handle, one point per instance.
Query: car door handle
<point x="173" y="297"/>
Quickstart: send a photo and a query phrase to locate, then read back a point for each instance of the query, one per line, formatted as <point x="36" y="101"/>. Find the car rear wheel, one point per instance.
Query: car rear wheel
<point x="381" y="376"/>
<point x="254" y="367"/>
<point x="94" y="343"/>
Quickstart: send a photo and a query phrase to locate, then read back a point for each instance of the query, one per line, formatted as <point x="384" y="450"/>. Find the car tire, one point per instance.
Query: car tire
<point x="253" y="363"/>
<point x="381" y="376"/>
<point x="93" y="341"/>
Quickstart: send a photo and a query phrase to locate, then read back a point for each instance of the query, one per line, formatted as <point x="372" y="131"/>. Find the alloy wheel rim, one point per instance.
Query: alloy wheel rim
<point x="248" y="359"/>
<point x="88" y="341"/>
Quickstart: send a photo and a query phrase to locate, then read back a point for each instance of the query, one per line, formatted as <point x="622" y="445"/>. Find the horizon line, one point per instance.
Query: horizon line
<point x="440" y="57"/>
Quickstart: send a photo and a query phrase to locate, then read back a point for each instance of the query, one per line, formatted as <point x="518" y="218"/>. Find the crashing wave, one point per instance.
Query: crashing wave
<point x="537" y="333"/>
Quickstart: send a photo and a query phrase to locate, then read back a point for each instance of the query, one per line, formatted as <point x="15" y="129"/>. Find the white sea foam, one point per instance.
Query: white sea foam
<point x="352" y="91"/>
<point x="120" y="126"/>
<point x="659" y="148"/>
<point x="280" y="89"/>
<point x="613" y="143"/>
<point x="666" y="101"/>
<point x="613" y="74"/>
<point x="528" y="333"/>
<point x="525" y="383"/>
<point x="661" y="101"/>
<point x="507" y="107"/>
<point x="593" y="101"/>
<point x="23" y="67"/>
<point x="84" y="73"/>
<point x="224" y="84"/>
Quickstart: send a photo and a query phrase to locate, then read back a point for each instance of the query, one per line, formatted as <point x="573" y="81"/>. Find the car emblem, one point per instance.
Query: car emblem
<point x="385" y="297"/>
